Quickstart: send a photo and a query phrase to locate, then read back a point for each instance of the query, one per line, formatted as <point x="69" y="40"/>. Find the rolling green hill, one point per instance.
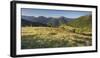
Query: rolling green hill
<point x="83" y="22"/>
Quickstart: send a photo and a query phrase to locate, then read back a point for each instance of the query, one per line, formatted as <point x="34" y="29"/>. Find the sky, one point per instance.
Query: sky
<point x="53" y="13"/>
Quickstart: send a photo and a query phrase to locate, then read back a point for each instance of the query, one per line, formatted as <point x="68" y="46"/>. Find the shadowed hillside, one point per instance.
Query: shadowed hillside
<point x="44" y="21"/>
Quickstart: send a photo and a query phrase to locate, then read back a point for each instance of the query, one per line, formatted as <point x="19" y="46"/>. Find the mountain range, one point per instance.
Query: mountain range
<point x="80" y="22"/>
<point x="44" y="21"/>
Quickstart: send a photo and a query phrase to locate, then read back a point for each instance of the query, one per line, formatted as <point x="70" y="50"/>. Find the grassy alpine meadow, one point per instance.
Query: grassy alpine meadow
<point x="49" y="28"/>
<point x="51" y="37"/>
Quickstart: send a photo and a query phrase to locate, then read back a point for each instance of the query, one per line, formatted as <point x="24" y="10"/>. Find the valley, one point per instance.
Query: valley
<point x="56" y="33"/>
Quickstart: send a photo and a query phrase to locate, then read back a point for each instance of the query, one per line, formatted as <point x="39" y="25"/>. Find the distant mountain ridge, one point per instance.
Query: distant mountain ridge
<point x="43" y="21"/>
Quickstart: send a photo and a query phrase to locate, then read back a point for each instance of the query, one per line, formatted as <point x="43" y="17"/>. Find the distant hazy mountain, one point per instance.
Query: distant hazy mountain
<point x="41" y="20"/>
<point x="29" y="23"/>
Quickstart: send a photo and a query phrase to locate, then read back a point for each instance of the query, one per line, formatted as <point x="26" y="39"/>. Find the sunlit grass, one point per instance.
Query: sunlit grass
<point x="49" y="37"/>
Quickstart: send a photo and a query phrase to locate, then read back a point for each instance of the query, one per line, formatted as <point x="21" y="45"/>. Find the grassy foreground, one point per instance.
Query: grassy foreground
<point x="49" y="37"/>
